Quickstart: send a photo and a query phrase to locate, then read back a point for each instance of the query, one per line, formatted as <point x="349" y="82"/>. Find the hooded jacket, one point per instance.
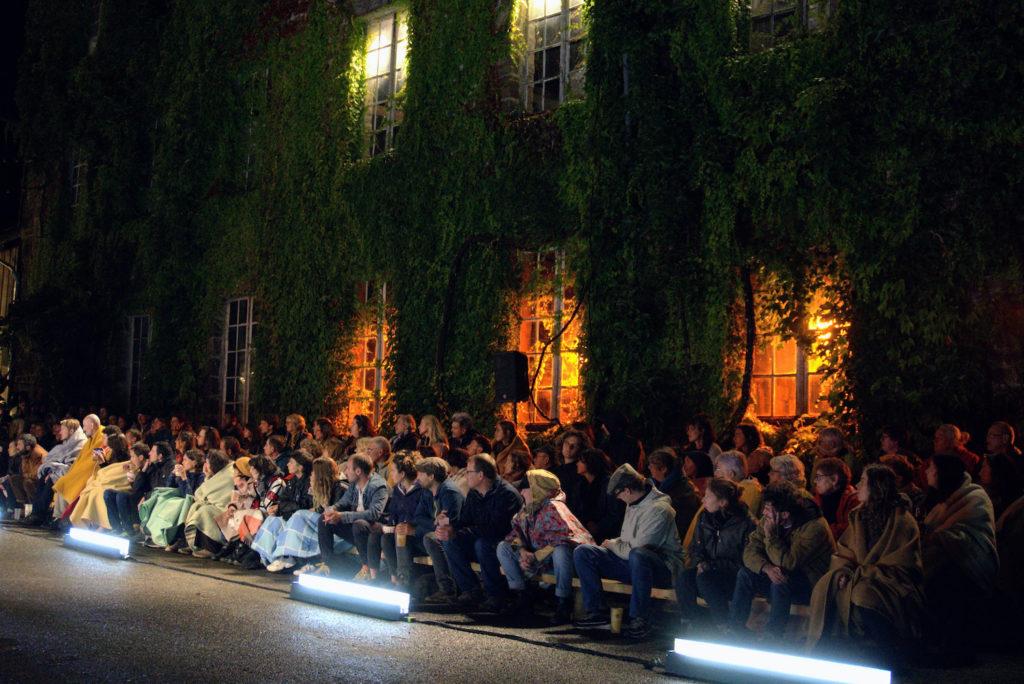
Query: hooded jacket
<point x="649" y="523"/>
<point x="805" y="547"/>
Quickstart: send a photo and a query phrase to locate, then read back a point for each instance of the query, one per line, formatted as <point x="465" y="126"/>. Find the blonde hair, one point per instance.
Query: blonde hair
<point x="435" y="431"/>
<point x="71" y="425"/>
<point x="324" y="475"/>
<point x="300" y="421"/>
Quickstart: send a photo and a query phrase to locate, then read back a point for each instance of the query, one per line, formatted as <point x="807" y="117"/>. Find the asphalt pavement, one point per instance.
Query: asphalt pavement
<point x="70" y="616"/>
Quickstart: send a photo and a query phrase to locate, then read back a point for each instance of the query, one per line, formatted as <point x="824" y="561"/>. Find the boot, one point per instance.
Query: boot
<point x="226" y="551"/>
<point x="563" y="612"/>
<point x="521" y="605"/>
<point x="250" y="560"/>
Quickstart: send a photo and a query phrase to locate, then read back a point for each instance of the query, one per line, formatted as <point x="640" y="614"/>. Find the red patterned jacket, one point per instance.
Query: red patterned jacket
<point x="552" y="525"/>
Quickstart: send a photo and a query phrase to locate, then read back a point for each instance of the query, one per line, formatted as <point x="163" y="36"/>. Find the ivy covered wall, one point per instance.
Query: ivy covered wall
<point x="877" y="161"/>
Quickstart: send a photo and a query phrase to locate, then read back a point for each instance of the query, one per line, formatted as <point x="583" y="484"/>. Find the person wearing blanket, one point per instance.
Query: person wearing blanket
<point x="958" y="549"/>
<point x="210" y="500"/>
<point x="243" y="524"/>
<point x="872" y="588"/>
<point x="112" y="473"/>
<point x="163" y="512"/>
<point x="294" y="497"/>
<point x="71" y="483"/>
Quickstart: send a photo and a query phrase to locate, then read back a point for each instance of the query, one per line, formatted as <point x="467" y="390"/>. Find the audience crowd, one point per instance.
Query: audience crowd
<point x="907" y="553"/>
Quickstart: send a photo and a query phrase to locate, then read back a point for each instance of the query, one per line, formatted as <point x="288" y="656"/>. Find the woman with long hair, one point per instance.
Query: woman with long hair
<point x="433" y="436"/>
<point x="511" y="455"/>
<point x="873" y="587"/>
<point x="600" y="512"/>
<point x="208" y="439"/>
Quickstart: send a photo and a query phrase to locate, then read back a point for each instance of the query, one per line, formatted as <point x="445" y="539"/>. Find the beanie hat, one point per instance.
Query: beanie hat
<point x="543" y="485"/>
<point x="242" y="466"/>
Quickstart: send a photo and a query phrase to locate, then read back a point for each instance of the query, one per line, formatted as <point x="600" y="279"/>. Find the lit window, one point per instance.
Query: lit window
<point x="137" y="343"/>
<point x="773" y="21"/>
<point x="236" y="373"/>
<point x="548" y="307"/>
<point x="788" y="380"/>
<point x="386" y="46"/>
<point x="79" y="173"/>
<point x="367" y="388"/>
<point x="554" y="64"/>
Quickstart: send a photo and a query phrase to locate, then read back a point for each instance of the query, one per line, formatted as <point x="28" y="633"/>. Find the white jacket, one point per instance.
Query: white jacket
<point x="649" y="523"/>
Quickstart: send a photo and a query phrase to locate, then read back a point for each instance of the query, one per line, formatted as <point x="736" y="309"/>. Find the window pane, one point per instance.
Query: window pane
<point x="551" y="93"/>
<point x="536" y="9"/>
<point x="785" y="397"/>
<point x="571" y="408"/>
<point x="536" y="35"/>
<point x="785" y="358"/>
<point x="538" y="97"/>
<point x="570" y="369"/>
<point x="817" y="394"/>
<point x="763" y="360"/>
<point x="761" y="395"/>
<point x="552" y="59"/>
<point x="544" y="401"/>
<point x="538" y="66"/>
<point x="554" y="7"/>
<point x="553" y="30"/>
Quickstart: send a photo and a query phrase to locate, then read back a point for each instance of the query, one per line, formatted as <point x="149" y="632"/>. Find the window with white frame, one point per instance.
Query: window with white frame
<point x="541" y="315"/>
<point x="773" y="21"/>
<point x="236" y="368"/>
<point x="553" y="68"/>
<point x="138" y="342"/>
<point x="367" y="387"/>
<point x="79" y="173"/>
<point x="387" y="39"/>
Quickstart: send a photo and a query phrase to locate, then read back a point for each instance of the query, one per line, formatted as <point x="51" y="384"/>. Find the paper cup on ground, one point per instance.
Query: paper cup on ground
<point x="616" y="620"/>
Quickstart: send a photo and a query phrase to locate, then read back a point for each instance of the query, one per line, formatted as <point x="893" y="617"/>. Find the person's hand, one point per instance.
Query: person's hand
<point x="775" y="574"/>
<point x="272" y="509"/>
<point x="702" y="567"/>
<point x="606" y="544"/>
<point x="331" y="516"/>
<point x="403" y="528"/>
<point x="843" y="581"/>
<point x="768" y="523"/>
<point x="442" y="519"/>
<point x="443" y="532"/>
<point x="526" y="558"/>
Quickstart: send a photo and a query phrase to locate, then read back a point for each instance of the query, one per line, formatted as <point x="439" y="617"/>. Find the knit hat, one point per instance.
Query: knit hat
<point x="624" y="476"/>
<point x="543" y="485"/>
<point x="242" y="466"/>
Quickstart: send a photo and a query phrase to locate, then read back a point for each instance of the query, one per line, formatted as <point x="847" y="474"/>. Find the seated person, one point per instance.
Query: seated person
<point x="150" y="468"/>
<point x="299" y="540"/>
<point x="243" y="500"/>
<point x="787" y="468"/>
<point x="445" y="497"/>
<point x="353" y="517"/>
<point x="294" y="497"/>
<point x="274" y="449"/>
<point x="645" y="554"/>
<point x="873" y="587"/>
<point x="699" y="467"/>
<point x="511" y="454"/>
<point x="162" y="513"/>
<point x="90" y="509"/>
<point x="543" y="536"/>
<point x="1002" y="481"/>
<point x="904" y="471"/>
<point x="668" y="477"/>
<point x="485" y="520"/>
<point x="547" y="457"/>
<point x="732" y="465"/>
<point x="958" y="551"/>
<point x="599" y="511"/>
<point x="56" y="463"/>
<point x="210" y="502"/>
<point x="833" y="493"/>
<point x="784" y="557"/>
<point x="399" y="543"/>
<point x="25" y="468"/>
<point x="716" y="553"/>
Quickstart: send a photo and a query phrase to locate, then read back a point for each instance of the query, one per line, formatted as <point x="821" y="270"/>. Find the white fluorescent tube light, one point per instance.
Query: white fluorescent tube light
<point x="351" y="596"/>
<point x="736" y="663"/>
<point x="97" y="542"/>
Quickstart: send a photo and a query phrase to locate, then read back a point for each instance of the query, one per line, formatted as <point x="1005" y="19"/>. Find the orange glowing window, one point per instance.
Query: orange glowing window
<point x="788" y="380"/>
<point x="547" y="307"/>
<point x="367" y="386"/>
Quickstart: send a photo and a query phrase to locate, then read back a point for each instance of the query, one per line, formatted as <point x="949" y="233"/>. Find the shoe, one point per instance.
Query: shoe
<point x="441" y="596"/>
<point x="251" y="561"/>
<point x="638" y="629"/>
<point x="280" y="565"/>
<point x="150" y="544"/>
<point x="363" y="575"/>
<point x="521" y="605"/>
<point x="563" y="612"/>
<point x="468" y="598"/>
<point x="202" y="553"/>
<point x="226" y="551"/>
<point x="318" y="569"/>
<point x="496" y="604"/>
<point x="174" y="546"/>
<point x="596" y="620"/>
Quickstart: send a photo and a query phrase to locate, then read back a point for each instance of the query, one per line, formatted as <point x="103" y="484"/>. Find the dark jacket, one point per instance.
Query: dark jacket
<point x="402" y="506"/>
<point x="600" y="512"/>
<point x="338" y="490"/>
<point x="805" y="546"/>
<point x="294" y="496"/>
<point x="684" y="496"/>
<point x="407" y="442"/>
<point x="155" y="475"/>
<point x="720" y="538"/>
<point x="489" y="516"/>
<point x="463" y="442"/>
<point x="449" y="498"/>
<point x="189" y="485"/>
<point x="375" y="498"/>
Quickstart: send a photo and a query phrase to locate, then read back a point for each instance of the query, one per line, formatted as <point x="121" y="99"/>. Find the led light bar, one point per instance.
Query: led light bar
<point x="726" y="663"/>
<point x="351" y="597"/>
<point x="97" y="542"/>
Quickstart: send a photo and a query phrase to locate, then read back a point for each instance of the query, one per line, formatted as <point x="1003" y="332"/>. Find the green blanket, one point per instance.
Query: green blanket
<point x="163" y="513"/>
<point x="211" y="499"/>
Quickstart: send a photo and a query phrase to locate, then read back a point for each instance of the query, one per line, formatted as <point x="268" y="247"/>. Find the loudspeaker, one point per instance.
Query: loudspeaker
<point x="511" y="382"/>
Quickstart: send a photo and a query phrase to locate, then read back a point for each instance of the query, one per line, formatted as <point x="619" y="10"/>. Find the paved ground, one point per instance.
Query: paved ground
<point x="71" y="616"/>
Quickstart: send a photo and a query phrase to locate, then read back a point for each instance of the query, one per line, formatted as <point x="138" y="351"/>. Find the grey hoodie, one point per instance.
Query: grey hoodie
<point x="67" y="451"/>
<point x="649" y="523"/>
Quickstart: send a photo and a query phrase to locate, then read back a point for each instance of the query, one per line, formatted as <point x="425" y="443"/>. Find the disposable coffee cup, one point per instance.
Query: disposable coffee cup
<point x="28" y="510"/>
<point x="616" y="620"/>
<point x="400" y="539"/>
<point x="389" y="529"/>
<point x="17" y="514"/>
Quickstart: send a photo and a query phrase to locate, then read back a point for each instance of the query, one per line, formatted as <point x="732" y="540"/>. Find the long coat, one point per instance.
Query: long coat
<point x="886" y="578"/>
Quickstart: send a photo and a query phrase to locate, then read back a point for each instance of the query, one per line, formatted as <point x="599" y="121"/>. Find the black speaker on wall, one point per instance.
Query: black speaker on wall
<point x="511" y="381"/>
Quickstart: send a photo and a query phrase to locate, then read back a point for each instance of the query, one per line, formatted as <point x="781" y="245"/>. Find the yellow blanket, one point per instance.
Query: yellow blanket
<point x="90" y="507"/>
<point x="73" y="482"/>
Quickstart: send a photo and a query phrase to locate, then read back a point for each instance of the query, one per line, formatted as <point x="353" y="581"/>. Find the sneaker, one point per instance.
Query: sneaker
<point x="150" y="544"/>
<point x="202" y="553"/>
<point x="495" y="604"/>
<point x="363" y="575"/>
<point x="595" y="620"/>
<point x="280" y="565"/>
<point x="563" y="612"/>
<point x="174" y="547"/>
<point x="469" y="598"/>
<point x="638" y="628"/>
<point x="319" y="569"/>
